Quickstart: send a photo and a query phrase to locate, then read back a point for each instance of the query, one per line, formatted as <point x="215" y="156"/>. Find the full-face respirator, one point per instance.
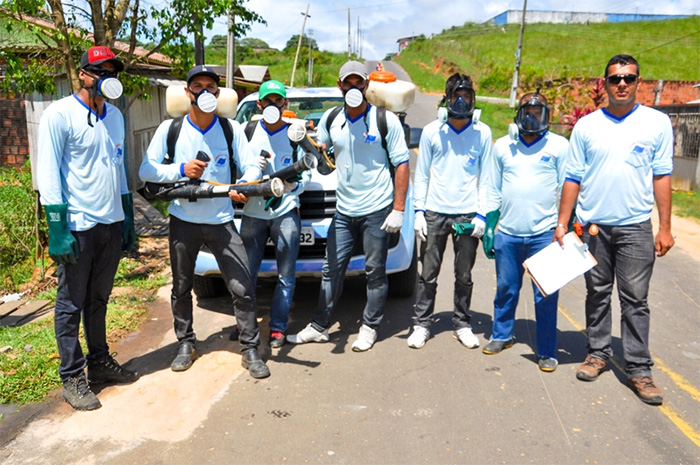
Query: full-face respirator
<point x="463" y="107"/>
<point x="532" y="117"/>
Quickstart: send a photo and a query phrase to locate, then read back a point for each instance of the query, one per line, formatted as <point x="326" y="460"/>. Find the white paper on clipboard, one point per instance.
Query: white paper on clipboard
<point x="553" y="267"/>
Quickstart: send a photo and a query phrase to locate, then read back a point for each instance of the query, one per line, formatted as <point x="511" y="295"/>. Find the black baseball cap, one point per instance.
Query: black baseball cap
<point x="202" y="70"/>
<point x="95" y="56"/>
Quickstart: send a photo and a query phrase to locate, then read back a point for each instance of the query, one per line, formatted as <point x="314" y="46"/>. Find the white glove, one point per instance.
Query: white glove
<point x="290" y="186"/>
<point x="479" y="227"/>
<point x="393" y="222"/>
<point x="262" y="162"/>
<point x="420" y="226"/>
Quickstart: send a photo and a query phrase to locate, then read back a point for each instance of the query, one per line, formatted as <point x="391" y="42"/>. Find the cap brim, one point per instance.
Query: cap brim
<point x="214" y="76"/>
<point x="118" y="65"/>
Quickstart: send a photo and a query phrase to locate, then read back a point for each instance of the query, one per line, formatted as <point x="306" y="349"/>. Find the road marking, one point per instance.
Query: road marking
<point x="686" y="428"/>
<point x="680" y="381"/>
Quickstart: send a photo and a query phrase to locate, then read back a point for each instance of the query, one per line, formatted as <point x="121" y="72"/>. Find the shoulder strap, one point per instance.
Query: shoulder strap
<point x="383" y="128"/>
<point x="173" y="133"/>
<point x="250" y="129"/>
<point x="228" y="134"/>
<point x="383" y="131"/>
<point x="331" y="116"/>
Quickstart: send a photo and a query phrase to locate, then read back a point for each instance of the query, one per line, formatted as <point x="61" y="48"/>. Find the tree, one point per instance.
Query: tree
<point x="254" y="43"/>
<point x="306" y="42"/>
<point x="73" y="26"/>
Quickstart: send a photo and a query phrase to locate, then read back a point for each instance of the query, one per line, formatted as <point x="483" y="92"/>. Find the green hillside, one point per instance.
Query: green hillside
<point x="665" y="49"/>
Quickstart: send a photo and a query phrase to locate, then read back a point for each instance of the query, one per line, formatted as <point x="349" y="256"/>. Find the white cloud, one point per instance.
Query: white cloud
<point x="385" y="21"/>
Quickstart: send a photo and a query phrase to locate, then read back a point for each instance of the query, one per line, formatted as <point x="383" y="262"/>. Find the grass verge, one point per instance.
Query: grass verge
<point x="687" y="204"/>
<point x="28" y="354"/>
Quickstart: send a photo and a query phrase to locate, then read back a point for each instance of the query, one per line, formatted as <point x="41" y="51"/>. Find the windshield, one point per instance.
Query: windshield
<point x="308" y="108"/>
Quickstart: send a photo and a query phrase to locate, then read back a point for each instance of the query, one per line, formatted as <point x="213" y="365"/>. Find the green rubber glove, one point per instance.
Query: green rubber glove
<point x="487" y="239"/>
<point x="273" y="202"/>
<point x="463" y="229"/>
<point x="128" y="230"/>
<point x="63" y="248"/>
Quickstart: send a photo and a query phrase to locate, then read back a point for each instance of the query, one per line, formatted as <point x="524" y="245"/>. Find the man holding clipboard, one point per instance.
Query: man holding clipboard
<point x="620" y="161"/>
<point x="526" y="174"/>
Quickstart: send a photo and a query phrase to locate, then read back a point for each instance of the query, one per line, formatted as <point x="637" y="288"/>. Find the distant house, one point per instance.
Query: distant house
<point x="404" y="42"/>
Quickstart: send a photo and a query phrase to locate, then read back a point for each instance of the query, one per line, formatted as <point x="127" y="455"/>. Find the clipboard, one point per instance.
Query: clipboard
<point x="554" y="267"/>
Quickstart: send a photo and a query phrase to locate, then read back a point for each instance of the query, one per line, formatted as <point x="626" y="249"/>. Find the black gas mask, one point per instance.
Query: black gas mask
<point x="463" y="105"/>
<point x="532" y="118"/>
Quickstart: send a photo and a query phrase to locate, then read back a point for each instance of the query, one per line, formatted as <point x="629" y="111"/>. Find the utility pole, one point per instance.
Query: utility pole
<point x="199" y="46"/>
<point x="311" y="57"/>
<point x="230" y="51"/>
<point x="296" y="55"/>
<point x="518" y="56"/>
<point x="349" y="46"/>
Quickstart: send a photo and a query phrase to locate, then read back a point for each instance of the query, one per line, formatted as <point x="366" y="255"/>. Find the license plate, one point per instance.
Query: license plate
<point x="306" y="237"/>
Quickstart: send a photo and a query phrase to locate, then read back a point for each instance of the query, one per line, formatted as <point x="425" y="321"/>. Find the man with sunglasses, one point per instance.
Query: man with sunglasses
<point x="620" y="161"/>
<point x="523" y="188"/>
<point x="369" y="205"/>
<point x="206" y="222"/>
<point x="89" y="211"/>
<point x="276" y="218"/>
<point x="449" y="179"/>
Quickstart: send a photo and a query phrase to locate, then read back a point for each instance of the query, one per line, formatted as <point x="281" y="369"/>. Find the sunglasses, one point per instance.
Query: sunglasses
<point x="628" y="78"/>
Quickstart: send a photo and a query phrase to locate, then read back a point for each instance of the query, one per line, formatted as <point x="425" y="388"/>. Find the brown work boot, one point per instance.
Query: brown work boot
<point x="646" y="390"/>
<point x="591" y="368"/>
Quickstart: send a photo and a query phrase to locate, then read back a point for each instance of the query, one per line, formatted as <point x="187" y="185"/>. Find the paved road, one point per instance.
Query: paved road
<point x="441" y="404"/>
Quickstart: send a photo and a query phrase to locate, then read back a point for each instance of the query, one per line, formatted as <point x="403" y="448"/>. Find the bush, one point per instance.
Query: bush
<point x="17" y="223"/>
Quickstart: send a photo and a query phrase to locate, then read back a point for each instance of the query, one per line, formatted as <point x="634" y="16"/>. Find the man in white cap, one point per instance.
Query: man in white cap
<point x="369" y="206"/>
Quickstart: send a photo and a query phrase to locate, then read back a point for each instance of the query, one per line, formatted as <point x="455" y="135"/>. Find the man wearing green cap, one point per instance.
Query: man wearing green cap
<point x="278" y="221"/>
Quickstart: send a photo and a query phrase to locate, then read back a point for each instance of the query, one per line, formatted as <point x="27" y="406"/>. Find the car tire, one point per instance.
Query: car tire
<point x="208" y="286"/>
<point x="403" y="283"/>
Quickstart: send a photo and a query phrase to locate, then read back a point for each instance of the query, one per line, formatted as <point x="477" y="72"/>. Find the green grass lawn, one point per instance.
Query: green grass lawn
<point x="687" y="204"/>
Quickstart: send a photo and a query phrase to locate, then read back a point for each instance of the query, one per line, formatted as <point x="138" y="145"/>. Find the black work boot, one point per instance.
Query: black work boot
<point x="186" y="355"/>
<point x="253" y="363"/>
<point x="108" y="370"/>
<point x="77" y="393"/>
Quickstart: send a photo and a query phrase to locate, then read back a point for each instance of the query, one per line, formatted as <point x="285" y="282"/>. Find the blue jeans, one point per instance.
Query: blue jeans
<point x="432" y="251"/>
<point x="284" y="232"/>
<point x="626" y="253"/>
<point x="344" y="231"/>
<point x="84" y="288"/>
<point x="227" y="247"/>
<point x="511" y="252"/>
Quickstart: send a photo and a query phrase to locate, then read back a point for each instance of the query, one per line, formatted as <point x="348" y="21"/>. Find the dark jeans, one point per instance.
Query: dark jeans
<point x="226" y="246"/>
<point x="432" y="251"/>
<point x="626" y="253"/>
<point x="284" y="233"/>
<point x="342" y="234"/>
<point x="84" y="288"/>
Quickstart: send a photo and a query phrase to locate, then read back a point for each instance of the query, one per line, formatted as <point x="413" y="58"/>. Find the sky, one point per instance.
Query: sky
<point x="382" y="22"/>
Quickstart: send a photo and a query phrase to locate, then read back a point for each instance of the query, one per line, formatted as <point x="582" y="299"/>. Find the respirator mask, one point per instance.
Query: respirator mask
<point x="532" y="118"/>
<point x="272" y="113"/>
<point x="205" y="100"/>
<point x="463" y="106"/>
<point x="106" y="83"/>
<point x="354" y="96"/>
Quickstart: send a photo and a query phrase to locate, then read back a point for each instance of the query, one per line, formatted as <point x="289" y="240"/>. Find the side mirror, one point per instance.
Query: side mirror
<point x="414" y="138"/>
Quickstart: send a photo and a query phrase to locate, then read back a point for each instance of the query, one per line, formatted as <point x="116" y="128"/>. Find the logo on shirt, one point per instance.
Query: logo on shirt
<point x="220" y="160"/>
<point x="118" y="155"/>
<point x="286" y="160"/>
<point x="546" y="157"/>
